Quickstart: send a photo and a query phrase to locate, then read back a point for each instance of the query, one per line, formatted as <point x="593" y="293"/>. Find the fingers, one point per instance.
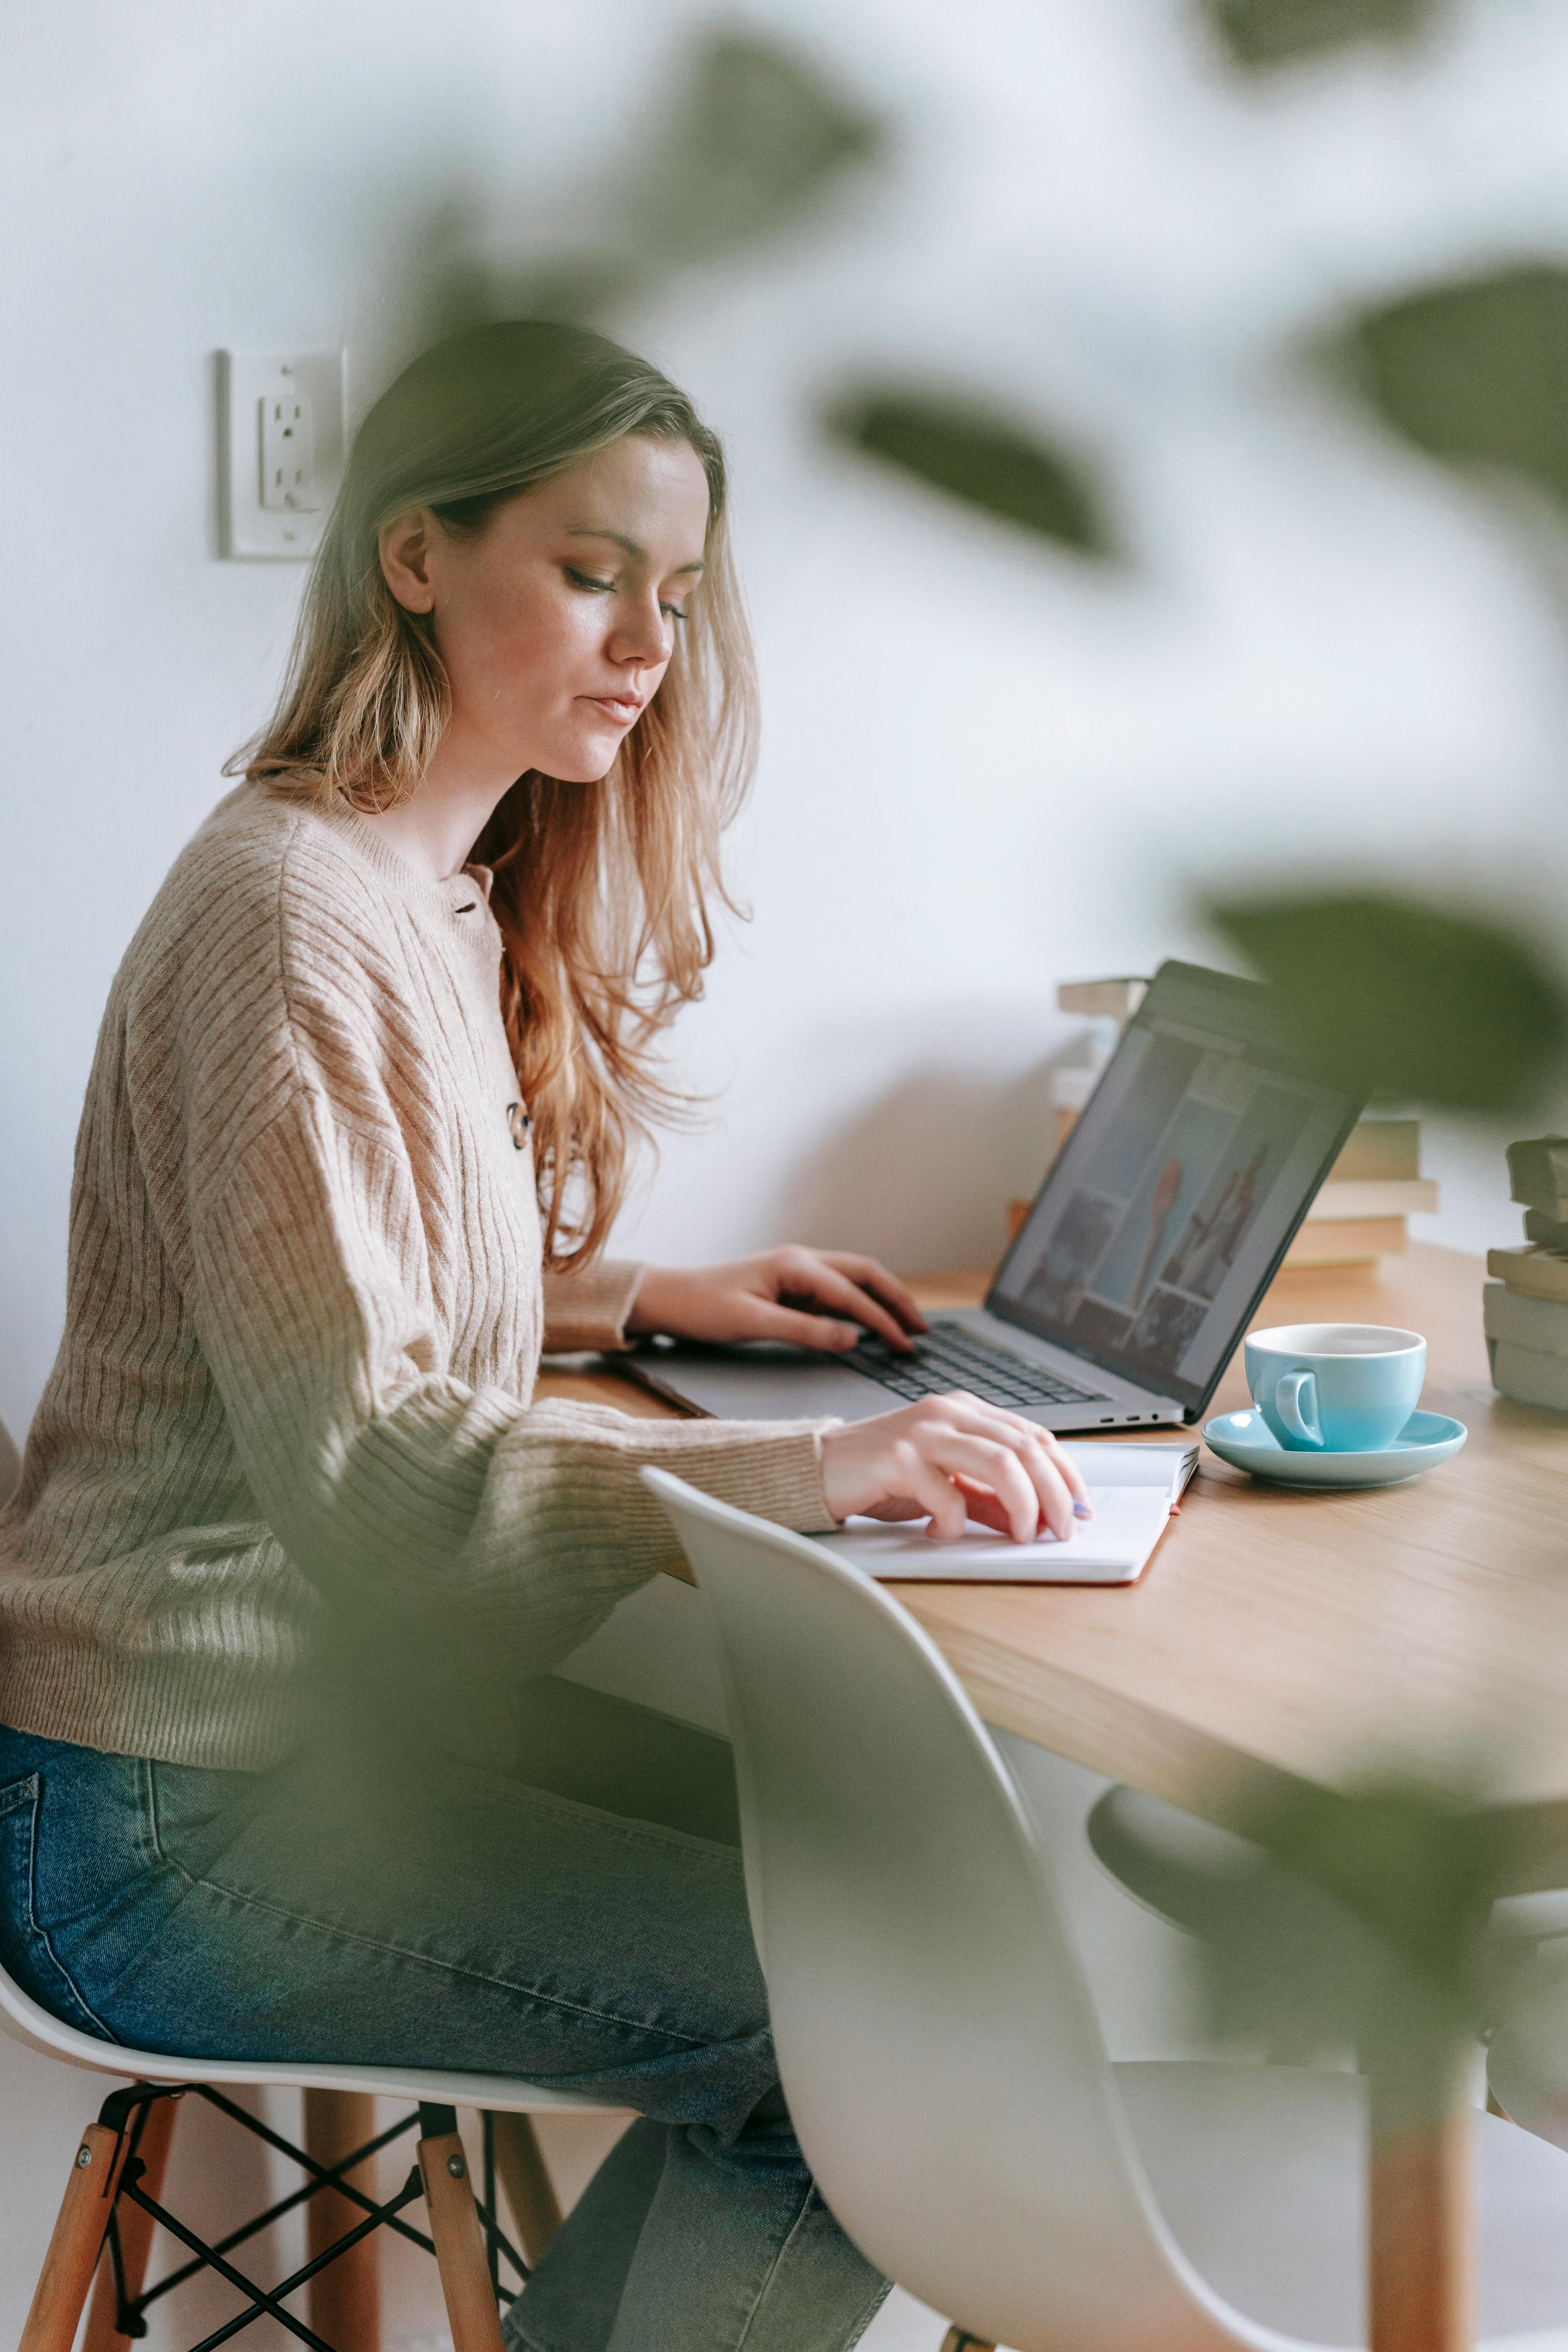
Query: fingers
<point x="990" y="1461"/>
<point x="1057" y="1481"/>
<point x="764" y="1319"/>
<point x="873" y="1277"/>
<point x="935" y="1493"/>
<point x="982" y="1507"/>
<point x="813" y="1274"/>
<point x="948" y="1456"/>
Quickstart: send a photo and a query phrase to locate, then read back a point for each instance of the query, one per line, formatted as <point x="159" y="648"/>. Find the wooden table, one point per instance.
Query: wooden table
<point x="1278" y="1637"/>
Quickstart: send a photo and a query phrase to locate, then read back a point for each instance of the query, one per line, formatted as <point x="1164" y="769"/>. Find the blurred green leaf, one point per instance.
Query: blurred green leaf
<point x="1272" y="32"/>
<point x="1392" y="997"/>
<point x="756" y="138"/>
<point x="576" y="290"/>
<point x="979" y="458"/>
<point x="752" y="138"/>
<point x="1477" y="371"/>
<point x="1421" y="1865"/>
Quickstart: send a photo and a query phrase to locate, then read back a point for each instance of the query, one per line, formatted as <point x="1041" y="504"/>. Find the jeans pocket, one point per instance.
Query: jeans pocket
<point x="28" y="1955"/>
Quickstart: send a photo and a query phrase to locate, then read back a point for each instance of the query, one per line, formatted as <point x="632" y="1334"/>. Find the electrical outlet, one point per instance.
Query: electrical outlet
<point x="288" y="453"/>
<point x="285" y="438"/>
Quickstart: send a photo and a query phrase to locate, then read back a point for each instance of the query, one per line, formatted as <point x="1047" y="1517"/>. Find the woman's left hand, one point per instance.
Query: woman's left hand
<point x="813" y="1298"/>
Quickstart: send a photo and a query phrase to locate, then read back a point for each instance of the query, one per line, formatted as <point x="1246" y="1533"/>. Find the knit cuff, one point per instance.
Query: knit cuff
<point x="779" y="1479"/>
<point x="589" y="1309"/>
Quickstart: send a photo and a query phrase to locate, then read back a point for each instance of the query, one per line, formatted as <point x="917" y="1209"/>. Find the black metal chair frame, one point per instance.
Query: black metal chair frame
<point x="125" y="2112"/>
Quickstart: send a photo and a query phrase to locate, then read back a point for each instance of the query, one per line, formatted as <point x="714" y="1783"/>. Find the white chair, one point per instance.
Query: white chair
<point x="1180" y="1868"/>
<point x="1175" y="1864"/>
<point x="1526" y="2062"/>
<point x="116" y="2178"/>
<point x="940" y="2051"/>
<point x="105" y="2186"/>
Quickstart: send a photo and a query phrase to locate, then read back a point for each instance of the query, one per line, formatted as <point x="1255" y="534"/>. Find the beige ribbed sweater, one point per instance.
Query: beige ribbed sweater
<point x="304" y="1318"/>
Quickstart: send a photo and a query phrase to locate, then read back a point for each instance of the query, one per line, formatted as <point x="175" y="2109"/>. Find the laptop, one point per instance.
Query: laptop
<point x="1158" y="1228"/>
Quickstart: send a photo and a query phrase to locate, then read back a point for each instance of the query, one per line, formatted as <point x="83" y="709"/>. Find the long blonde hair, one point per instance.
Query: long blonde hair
<point x="602" y="891"/>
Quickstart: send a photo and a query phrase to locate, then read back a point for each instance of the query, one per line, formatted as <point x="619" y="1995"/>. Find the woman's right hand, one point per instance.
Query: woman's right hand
<point x="949" y="1459"/>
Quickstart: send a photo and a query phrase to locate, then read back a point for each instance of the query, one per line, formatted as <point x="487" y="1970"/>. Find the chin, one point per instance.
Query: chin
<point x="585" y="761"/>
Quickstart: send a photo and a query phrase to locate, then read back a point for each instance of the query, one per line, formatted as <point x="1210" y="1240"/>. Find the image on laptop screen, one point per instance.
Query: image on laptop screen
<point x="1179" y="1189"/>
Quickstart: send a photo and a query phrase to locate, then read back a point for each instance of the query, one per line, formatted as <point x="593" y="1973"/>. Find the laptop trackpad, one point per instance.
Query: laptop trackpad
<point x="760" y="1383"/>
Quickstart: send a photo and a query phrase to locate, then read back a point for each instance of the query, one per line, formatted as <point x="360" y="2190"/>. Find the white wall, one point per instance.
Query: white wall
<point x="987" y="767"/>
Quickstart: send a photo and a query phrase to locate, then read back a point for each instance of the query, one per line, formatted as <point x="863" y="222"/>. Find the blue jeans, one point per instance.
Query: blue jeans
<point x="427" y="1913"/>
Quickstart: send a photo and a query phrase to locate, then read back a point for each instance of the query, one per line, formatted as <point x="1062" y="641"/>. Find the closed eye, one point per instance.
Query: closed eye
<point x="596" y="587"/>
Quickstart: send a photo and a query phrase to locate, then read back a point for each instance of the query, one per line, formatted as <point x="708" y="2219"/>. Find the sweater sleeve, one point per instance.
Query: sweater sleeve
<point x="394" y="1485"/>
<point x="589" y="1309"/>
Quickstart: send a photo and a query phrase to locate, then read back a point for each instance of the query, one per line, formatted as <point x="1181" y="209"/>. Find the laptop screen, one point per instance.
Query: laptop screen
<point x="1176" y="1194"/>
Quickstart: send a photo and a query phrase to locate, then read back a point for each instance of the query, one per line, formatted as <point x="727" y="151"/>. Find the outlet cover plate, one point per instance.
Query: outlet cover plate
<point x="251" y="383"/>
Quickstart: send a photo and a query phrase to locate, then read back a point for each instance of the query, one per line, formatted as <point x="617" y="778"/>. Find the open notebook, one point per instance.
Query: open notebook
<point x="1132" y="1488"/>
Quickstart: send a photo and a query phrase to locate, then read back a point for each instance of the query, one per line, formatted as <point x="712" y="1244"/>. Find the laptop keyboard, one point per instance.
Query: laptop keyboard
<point x="953" y="1358"/>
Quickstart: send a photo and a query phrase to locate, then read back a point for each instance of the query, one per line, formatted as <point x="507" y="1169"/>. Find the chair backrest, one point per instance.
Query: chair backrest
<point x="936" y="2042"/>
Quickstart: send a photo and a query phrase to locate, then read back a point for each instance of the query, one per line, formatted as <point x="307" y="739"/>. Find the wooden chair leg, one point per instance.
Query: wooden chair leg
<point x="344" y="2301"/>
<point x="103" y="2333"/>
<point x="530" y="2191"/>
<point x="77" y="2242"/>
<point x="459" y="2233"/>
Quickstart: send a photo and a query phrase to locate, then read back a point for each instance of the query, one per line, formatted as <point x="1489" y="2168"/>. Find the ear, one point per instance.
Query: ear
<point x="403" y="545"/>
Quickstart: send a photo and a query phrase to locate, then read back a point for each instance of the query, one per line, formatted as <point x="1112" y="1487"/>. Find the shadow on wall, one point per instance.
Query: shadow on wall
<point x="922" y="1177"/>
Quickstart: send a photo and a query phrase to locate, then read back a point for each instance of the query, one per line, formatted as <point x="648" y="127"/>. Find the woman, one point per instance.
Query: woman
<point x="292" y="1545"/>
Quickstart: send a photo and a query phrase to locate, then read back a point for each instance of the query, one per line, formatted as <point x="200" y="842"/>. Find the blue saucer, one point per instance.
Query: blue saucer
<point x="1246" y="1440"/>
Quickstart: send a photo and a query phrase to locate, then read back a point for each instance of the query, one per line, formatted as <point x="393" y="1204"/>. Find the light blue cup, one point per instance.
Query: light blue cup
<point x="1335" y="1388"/>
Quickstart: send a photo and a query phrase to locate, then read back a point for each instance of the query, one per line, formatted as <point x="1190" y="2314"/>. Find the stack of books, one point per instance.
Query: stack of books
<point x="1359" y="1213"/>
<point x="1109" y="1005"/>
<point x="1362" y="1203"/>
<point x="1527" y="1304"/>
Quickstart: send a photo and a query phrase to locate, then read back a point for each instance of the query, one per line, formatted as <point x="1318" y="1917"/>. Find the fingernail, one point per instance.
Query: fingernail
<point x="1083" y="1510"/>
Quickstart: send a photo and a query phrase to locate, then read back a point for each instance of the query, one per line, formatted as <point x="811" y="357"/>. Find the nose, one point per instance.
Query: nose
<point x="642" y="635"/>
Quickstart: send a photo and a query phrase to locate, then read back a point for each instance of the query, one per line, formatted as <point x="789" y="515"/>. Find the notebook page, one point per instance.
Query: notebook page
<point x="1125" y="1461"/>
<point x="1110" y="1548"/>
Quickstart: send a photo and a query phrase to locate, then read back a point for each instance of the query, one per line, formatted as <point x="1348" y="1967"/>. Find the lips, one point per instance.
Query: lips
<point x="623" y="706"/>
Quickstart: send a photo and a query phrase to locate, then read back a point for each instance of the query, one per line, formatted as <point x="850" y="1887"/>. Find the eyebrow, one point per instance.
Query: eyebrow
<point x="638" y="554"/>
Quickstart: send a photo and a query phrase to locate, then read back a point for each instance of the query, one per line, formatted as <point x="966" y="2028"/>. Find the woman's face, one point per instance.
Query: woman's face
<point x="557" y="622"/>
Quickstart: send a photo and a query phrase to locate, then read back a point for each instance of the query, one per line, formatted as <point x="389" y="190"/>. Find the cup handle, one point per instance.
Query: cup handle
<point x="1296" y="1403"/>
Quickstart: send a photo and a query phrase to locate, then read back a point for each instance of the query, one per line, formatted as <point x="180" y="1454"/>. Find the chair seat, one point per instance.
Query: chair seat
<point x="1173" y="1864"/>
<point x="1169" y="1861"/>
<point x="1526" y="2062"/>
<point x="1259" y="2172"/>
<point x="1532" y="1918"/>
<point x="23" y="2020"/>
